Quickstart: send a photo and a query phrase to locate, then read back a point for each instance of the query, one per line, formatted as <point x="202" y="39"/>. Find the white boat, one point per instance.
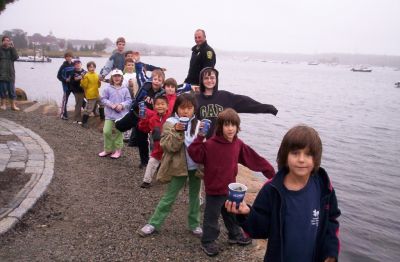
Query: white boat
<point x="34" y="59"/>
<point x="361" y="69"/>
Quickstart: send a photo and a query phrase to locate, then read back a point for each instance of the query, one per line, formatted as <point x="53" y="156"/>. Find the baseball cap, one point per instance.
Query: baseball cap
<point x="116" y="72"/>
<point x="77" y="61"/>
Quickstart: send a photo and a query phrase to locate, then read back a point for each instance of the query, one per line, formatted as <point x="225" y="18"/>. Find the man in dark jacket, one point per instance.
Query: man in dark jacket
<point x="65" y="69"/>
<point x="202" y="56"/>
<point x="8" y="55"/>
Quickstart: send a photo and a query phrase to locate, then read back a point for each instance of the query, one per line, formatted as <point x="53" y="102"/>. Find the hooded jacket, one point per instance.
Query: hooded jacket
<point x="64" y="71"/>
<point x="153" y="123"/>
<point x="265" y="218"/>
<point x="210" y="106"/>
<point x="202" y="56"/>
<point x="220" y="158"/>
<point x="7" y="58"/>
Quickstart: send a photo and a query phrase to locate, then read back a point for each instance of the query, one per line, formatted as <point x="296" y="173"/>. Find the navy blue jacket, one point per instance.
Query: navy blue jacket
<point x="265" y="218"/>
<point x="65" y="71"/>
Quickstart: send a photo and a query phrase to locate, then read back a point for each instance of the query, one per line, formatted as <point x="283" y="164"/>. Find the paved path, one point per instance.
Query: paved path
<point x="30" y="153"/>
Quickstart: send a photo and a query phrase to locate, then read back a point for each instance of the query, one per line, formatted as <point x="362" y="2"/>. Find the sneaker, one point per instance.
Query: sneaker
<point x="240" y="240"/>
<point x="104" y="154"/>
<point x="197" y="231"/>
<point x="75" y="122"/>
<point x="79" y="122"/>
<point x="4" y="107"/>
<point x="145" y="185"/>
<point x="117" y="154"/>
<point x="15" y="108"/>
<point x="147" y="230"/>
<point x="64" y="117"/>
<point x="211" y="249"/>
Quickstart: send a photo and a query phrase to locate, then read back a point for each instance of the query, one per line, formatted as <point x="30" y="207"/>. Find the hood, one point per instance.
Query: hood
<point x="202" y="87"/>
<point x="222" y="140"/>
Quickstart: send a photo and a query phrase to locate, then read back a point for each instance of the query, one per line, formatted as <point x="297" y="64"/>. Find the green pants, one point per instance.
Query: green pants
<point x="111" y="142"/>
<point x="164" y="206"/>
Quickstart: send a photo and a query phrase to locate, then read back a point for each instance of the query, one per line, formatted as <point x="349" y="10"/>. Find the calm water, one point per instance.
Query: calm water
<point x="356" y="114"/>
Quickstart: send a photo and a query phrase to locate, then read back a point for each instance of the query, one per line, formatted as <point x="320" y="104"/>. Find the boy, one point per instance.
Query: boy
<point x="153" y="123"/>
<point x="297" y="211"/>
<point x="130" y="77"/>
<point x="74" y="78"/>
<point x="142" y="68"/>
<point x="65" y="69"/>
<point x="220" y="156"/>
<point x="116" y="60"/>
<point x="91" y="84"/>
<point x="211" y="101"/>
<point x="172" y="91"/>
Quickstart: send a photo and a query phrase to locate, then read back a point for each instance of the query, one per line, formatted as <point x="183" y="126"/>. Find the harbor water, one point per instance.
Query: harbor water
<point x="356" y="114"/>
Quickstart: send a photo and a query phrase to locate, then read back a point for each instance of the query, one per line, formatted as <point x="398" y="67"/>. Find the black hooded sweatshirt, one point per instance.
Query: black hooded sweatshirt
<point x="209" y="106"/>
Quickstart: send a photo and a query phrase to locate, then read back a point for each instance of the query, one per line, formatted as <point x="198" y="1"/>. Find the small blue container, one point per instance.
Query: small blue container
<point x="206" y="126"/>
<point x="236" y="193"/>
<point x="142" y="110"/>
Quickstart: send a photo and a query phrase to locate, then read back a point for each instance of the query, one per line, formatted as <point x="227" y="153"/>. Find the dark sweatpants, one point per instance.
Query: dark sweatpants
<point x="143" y="145"/>
<point x="215" y="205"/>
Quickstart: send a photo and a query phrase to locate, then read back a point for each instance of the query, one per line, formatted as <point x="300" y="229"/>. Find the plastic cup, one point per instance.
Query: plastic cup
<point x="142" y="109"/>
<point x="184" y="121"/>
<point x="206" y="126"/>
<point x="236" y="193"/>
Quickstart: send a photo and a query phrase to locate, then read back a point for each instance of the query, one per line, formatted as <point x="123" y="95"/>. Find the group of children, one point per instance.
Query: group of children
<point x="296" y="210"/>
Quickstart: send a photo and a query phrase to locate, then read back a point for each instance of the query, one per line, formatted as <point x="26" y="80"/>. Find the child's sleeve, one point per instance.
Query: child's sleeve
<point x="257" y="223"/>
<point x="197" y="150"/>
<point x="185" y="87"/>
<point x="127" y="99"/>
<point x="171" y="140"/>
<point x="245" y="104"/>
<point x="84" y="82"/>
<point x="144" y="125"/>
<point x="332" y="243"/>
<point x="249" y="158"/>
<point x="107" y="67"/>
<point x="104" y="98"/>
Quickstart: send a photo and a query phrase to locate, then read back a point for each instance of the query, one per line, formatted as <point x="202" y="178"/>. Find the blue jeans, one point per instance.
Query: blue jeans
<point x="7" y="88"/>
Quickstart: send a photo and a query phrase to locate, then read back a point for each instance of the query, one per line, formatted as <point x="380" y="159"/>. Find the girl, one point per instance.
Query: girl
<point x="220" y="155"/>
<point x="176" y="166"/>
<point x="297" y="211"/>
<point x="116" y="100"/>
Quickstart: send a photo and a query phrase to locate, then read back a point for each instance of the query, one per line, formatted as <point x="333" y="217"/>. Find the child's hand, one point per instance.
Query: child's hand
<point x="179" y="126"/>
<point x="330" y="259"/>
<point x="163" y="69"/>
<point x="113" y="106"/>
<point x="118" y="108"/>
<point x="231" y="207"/>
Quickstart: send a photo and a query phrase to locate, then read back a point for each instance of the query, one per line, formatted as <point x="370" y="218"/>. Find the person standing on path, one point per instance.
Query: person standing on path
<point x="65" y="69"/>
<point x="8" y="54"/>
<point x="202" y="56"/>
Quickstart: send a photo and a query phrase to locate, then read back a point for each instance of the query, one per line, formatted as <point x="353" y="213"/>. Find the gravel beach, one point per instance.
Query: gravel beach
<point x="94" y="206"/>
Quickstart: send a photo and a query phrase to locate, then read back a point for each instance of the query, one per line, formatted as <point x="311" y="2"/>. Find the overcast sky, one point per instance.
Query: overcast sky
<point x="288" y="26"/>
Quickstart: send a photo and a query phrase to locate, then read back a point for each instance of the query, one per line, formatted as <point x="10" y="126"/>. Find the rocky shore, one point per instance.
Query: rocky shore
<point x="93" y="206"/>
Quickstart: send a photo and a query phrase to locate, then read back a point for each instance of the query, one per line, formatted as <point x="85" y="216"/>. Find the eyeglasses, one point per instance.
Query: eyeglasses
<point x="209" y="78"/>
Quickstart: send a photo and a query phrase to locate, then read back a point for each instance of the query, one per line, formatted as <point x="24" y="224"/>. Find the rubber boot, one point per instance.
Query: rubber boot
<point x="85" y="119"/>
<point x="3" y="105"/>
<point x="14" y="106"/>
<point x="101" y="112"/>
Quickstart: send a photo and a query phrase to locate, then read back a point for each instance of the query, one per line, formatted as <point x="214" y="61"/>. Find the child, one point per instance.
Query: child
<point x="90" y="84"/>
<point x="297" y="211"/>
<point x="116" y="60"/>
<point x="147" y="93"/>
<point x="116" y="100"/>
<point x="172" y="91"/>
<point x="141" y="69"/>
<point x="130" y="77"/>
<point x="65" y="69"/>
<point x="220" y="156"/>
<point x="212" y="101"/>
<point x="177" y="167"/>
<point x="153" y="123"/>
<point x="74" y="79"/>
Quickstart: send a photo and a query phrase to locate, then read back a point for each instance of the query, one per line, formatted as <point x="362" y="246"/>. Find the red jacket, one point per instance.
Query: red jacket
<point x="220" y="158"/>
<point x="171" y="102"/>
<point x="153" y="124"/>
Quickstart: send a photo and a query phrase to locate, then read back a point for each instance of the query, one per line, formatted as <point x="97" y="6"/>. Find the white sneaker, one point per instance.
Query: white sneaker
<point x="146" y="230"/>
<point x="197" y="231"/>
